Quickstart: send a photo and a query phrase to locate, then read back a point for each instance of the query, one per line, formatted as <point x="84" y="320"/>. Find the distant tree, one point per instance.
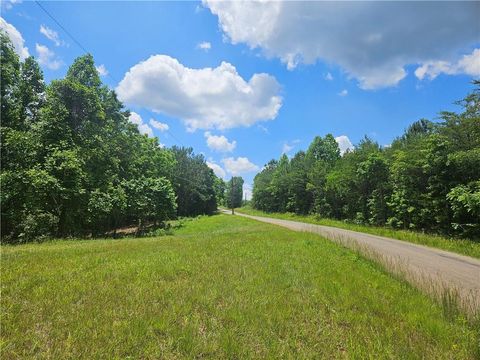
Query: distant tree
<point x="234" y="192"/>
<point x="262" y="196"/>
<point x="321" y="156"/>
<point x="194" y="183"/>
<point x="428" y="179"/>
<point x="279" y="185"/>
<point x="299" y="199"/>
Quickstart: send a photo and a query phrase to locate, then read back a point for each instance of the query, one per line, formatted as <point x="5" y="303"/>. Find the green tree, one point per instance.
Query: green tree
<point x="32" y="90"/>
<point x="194" y="183"/>
<point x="262" y="196"/>
<point x="234" y="193"/>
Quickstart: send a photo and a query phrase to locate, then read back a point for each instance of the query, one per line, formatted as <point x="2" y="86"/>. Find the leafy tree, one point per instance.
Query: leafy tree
<point x="262" y="197"/>
<point x="220" y="187"/>
<point x="299" y="199"/>
<point x="321" y="156"/>
<point x="464" y="200"/>
<point x="32" y="90"/>
<point x="149" y="199"/>
<point x="194" y="183"/>
<point x="234" y="193"/>
<point x="73" y="165"/>
<point x="280" y="184"/>
<point x="10" y="84"/>
<point x="428" y="179"/>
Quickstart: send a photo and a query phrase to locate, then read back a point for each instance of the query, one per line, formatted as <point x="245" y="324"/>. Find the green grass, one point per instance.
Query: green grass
<point x="460" y="246"/>
<point x="221" y="287"/>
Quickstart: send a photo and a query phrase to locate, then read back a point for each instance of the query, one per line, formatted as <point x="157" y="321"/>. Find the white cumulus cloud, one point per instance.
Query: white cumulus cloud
<point x="135" y="118"/>
<point x="468" y="64"/>
<point x="207" y="98"/>
<point x="47" y="58"/>
<point x="344" y="144"/>
<point x="344" y="92"/>
<point x="145" y="130"/>
<point x="51" y="35"/>
<point x="217" y="169"/>
<point x="142" y="127"/>
<point x="205" y="45"/>
<point x="159" y="125"/>
<point x="238" y="166"/>
<point x="219" y="143"/>
<point x="287" y="147"/>
<point x="16" y="38"/>
<point x="102" y="70"/>
<point x="367" y="39"/>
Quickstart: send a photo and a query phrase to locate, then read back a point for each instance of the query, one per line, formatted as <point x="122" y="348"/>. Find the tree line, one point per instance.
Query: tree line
<point x="73" y="165"/>
<point x="427" y="180"/>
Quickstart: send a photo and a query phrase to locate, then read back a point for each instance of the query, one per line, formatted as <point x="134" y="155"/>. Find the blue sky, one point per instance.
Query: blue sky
<point x="290" y="71"/>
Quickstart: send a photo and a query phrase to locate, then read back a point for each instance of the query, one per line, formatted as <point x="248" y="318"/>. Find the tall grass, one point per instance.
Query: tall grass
<point x="221" y="287"/>
<point x="460" y="246"/>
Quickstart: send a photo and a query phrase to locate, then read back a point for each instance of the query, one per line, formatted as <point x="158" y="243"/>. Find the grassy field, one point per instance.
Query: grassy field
<point x="221" y="287"/>
<point x="460" y="246"/>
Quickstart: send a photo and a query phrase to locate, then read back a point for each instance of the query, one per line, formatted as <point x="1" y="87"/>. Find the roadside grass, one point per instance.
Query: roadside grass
<point x="221" y="287"/>
<point x="459" y="246"/>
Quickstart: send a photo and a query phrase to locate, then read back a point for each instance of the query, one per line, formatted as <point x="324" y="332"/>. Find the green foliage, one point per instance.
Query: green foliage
<point x="469" y="247"/>
<point x="73" y="165"/>
<point x="219" y="186"/>
<point x="194" y="183"/>
<point x="234" y="192"/>
<point x="32" y="90"/>
<point x="150" y="199"/>
<point x="464" y="201"/>
<point x="425" y="181"/>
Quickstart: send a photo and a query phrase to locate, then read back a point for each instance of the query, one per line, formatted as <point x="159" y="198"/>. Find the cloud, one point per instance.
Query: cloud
<point x="219" y="143"/>
<point x="159" y="125"/>
<point x="468" y="64"/>
<point x="135" y="118"/>
<point x="247" y="191"/>
<point x="208" y="98"/>
<point x="287" y="147"/>
<point x="143" y="128"/>
<point x="16" y="38"/>
<point x="51" y="35"/>
<point x="217" y="169"/>
<point x="263" y="129"/>
<point x="238" y="166"/>
<point x="368" y="40"/>
<point x="47" y="57"/>
<point x="344" y="144"/>
<point x="8" y="4"/>
<point x="344" y="92"/>
<point x="205" y="45"/>
<point x="102" y="70"/>
<point x="329" y="77"/>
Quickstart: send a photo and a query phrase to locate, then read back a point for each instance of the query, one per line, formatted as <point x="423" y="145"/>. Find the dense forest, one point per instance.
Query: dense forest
<point x="73" y="165"/>
<point x="428" y="179"/>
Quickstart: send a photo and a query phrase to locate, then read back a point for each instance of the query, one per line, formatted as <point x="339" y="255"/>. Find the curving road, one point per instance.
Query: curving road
<point x="431" y="269"/>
